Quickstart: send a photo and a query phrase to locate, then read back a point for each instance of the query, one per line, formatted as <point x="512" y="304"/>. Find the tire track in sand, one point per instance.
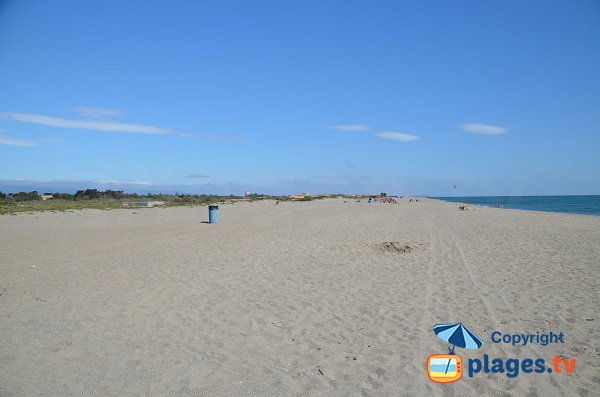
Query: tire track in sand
<point x="528" y="348"/>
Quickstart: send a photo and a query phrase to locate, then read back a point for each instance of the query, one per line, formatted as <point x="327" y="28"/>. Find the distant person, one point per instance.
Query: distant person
<point x="500" y="205"/>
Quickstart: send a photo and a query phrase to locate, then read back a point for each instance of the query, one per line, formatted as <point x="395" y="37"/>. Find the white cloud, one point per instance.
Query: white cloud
<point x="110" y="126"/>
<point x="484" y="129"/>
<point x="98" y="125"/>
<point x="196" y="176"/>
<point x="398" y="136"/>
<point x="120" y="182"/>
<point x="6" y="140"/>
<point x="72" y="185"/>
<point x="92" y="112"/>
<point x="350" y="127"/>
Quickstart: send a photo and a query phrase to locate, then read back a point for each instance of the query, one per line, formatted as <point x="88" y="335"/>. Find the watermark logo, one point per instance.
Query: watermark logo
<point x="448" y="368"/>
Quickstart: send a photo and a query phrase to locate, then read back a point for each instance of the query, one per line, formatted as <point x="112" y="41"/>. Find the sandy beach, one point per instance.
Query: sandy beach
<point x="325" y="298"/>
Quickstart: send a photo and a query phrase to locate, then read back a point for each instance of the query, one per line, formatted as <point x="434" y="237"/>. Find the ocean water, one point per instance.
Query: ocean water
<point x="588" y="205"/>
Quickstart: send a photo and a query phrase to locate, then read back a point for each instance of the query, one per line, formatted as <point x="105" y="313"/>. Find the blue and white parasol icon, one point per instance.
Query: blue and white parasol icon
<point x="457" y="335"/>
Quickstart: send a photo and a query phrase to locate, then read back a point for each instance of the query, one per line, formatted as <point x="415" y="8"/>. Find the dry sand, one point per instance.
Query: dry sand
<point x="291" y="299"/>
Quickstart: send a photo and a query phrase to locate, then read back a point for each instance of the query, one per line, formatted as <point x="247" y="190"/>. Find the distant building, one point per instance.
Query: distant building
<point x="47" y="197"/>
<point x="298" y="196"/>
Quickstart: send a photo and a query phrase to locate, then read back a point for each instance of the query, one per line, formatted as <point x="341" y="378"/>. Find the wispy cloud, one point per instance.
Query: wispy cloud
<point x="121" y="182"/>
<point x="196" y="176"/>
<point x="110" y="126"/>
<point x="72" y="185"/>
<point x="398" y="136"/>
<point x="92" y="112"/>
<point x="98" y="125"/>
<point x="484" y="129"/>
<point x="349" y="127"/>
<point x="6" y="140"/>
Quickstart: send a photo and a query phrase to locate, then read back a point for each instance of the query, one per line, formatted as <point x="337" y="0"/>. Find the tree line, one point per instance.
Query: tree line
<point x="95" y="194"/>
<point x="88" y="194"/>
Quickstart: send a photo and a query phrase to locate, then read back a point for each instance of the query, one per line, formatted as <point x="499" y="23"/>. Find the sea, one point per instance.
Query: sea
<point x="587" y="205"/>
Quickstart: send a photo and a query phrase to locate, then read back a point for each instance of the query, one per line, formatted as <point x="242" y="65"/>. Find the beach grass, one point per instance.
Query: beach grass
<point x="7" y="208"/>
<point x="55" y="205"/>
<point x="93" y="199"/>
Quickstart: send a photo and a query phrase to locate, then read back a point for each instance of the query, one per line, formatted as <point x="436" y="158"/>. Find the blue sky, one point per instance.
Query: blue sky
<point x="497" y="98"/>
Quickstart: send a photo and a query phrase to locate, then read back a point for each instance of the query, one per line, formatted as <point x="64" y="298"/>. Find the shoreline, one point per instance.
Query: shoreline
<point x="517" y="209"/>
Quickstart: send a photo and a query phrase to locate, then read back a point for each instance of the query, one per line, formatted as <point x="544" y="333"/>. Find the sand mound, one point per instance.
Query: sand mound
<point x="396" y="247"/>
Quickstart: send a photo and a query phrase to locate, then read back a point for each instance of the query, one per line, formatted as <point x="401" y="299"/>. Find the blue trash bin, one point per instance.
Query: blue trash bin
<point x="213" y="214"/>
